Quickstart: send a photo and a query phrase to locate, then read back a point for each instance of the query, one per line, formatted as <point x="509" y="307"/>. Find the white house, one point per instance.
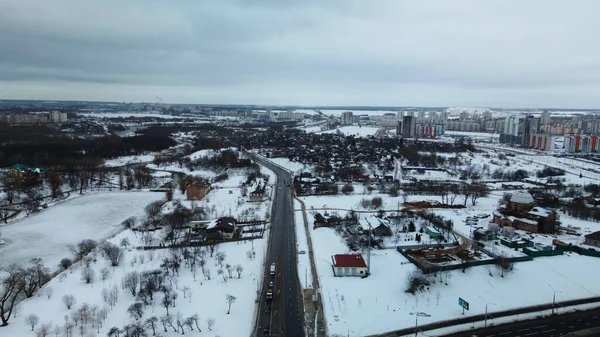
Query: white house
<point x="349" y="265"/>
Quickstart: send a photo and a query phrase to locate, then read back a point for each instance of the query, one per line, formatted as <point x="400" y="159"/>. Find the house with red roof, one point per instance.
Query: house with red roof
<point x="349" y="265"/>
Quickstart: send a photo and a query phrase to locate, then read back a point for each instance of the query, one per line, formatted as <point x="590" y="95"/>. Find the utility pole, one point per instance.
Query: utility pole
<point x="417" y="315"/>
<point x="369" y="250"/>
<point x="486" y="310"/>
<point x="553" y="298"/>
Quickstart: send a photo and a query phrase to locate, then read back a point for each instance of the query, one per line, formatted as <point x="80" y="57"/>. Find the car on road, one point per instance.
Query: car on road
<point x="302" y="252"/>
<point x="266" y="330"/>
<point x="268" y="310"/>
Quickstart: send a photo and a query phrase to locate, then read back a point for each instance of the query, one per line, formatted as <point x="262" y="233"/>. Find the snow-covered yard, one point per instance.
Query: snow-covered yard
<point x="379" y="303"/>
<point x="196" y="294"/>
<point x="47" y="234"/>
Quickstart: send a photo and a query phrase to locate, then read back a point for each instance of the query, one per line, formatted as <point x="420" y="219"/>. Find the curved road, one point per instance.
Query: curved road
<point x="287" y="309"/>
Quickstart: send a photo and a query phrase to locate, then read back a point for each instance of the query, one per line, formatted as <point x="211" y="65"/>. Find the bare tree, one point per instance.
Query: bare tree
<point x="32" y="320"/>
<point x="169" y="297"/>
<point x="239" y="269"/>
<point x="11" y="288"/>
<point x="130" y="281"/>
<point x="55" y="182"/>
<point x="152" y="323"/>
<point x="220" y="256"/>
<point x="229" y="270"/>
<point x="136" y="310"/>
<point x="180" y="322"/>
<point x="104" y="274"/>
<point x="65" y="263"/>
<point x="88" y="274"/>
<point x="57" y="330"/>
<point x="44" y="330"/>
<point x="230" y="299"/>
<point x="210" y="322"/>
<point x="114" y="332"/>
<point x="164" y="320"/>
<point x="76" y="316"/>
<point x="69" y="301"/>
<point x="112" y="253"/>
<point x="4" y="211"/>
<point x="190" y="323"/>
<point x="84" y="247"/>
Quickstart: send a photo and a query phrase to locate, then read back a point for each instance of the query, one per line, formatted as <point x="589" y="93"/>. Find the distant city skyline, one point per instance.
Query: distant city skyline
<point x="504" y="54"/>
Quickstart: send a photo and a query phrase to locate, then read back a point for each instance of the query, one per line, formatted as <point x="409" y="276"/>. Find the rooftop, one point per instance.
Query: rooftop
<point x="349" y="261"/>
<point x="521" y="197"/>
<point x="593" y="236"/>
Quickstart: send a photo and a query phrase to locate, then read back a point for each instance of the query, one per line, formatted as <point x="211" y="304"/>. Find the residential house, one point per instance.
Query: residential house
<point x="521" y="213"/>
<point x="222" y="228"/>
<point x="197" y="190"/>
<point x="349" y="265"/>
<point x="593" y="239"/>
<point x="20" y="169"/>
<point x="382" y="230"/>
<point x="258" y="194"/>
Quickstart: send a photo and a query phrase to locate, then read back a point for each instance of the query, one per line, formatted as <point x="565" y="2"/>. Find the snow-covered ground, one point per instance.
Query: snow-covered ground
<point x="128" y="160"/>
<point x="207" y="296"/>
<point x="293" y="166"/>
<point x="387" y="306"/>
<point x="304" y="271"/>
<point x="48" y="233"/>
<point x="360" y="131"/>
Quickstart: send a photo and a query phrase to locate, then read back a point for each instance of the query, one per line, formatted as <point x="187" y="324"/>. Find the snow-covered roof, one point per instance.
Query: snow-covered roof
<point x="527" y="221"/>
<point x="538" y="211"/>
<point x="521" y="197"/>
<point x="212" y="224"/>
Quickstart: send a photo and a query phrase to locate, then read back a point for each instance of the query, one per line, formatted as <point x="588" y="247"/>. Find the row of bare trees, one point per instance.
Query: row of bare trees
<point x="20" y="282"/>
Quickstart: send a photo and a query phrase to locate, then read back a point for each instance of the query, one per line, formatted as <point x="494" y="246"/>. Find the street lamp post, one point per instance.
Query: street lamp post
<point x="553" y="298"/>
<point x="417" y="315"/>
<point x="486" y="310"/>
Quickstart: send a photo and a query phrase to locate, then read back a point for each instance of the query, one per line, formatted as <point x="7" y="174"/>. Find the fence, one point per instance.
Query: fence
<point x="435" y="268"/>
<point x="429" y="245"/>
<point x="579" y="250"/>
<point x="536" y="253"/>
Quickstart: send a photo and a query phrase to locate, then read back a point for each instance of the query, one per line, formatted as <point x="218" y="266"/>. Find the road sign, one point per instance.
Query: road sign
<point x="463" y="303"/>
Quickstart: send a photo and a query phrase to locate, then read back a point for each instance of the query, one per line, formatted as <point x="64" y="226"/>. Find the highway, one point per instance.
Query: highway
<point x="552" y="326"/>
<point x="287" y="307"/>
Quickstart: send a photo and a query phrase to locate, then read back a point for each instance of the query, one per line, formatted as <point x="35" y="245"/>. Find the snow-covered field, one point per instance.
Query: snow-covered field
<point x="293" y="166"/>
<point x="128" y="160"/>
<point x="47" y="234"/>
<point x="360" y="131"/>
<point x="387" y="307"/>
<point x="207" y="297"/>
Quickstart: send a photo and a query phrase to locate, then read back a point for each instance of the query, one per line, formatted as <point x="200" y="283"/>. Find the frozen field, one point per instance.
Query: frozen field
<point x="48" y="233"/>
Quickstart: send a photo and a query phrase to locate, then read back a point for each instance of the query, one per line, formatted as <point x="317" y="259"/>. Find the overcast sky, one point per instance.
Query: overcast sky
<point x="504" y="53"/>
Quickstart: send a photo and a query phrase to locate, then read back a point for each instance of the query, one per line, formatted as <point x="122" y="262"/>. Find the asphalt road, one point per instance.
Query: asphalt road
<point x="553" y="326"/>
<point x="287" y="311"/>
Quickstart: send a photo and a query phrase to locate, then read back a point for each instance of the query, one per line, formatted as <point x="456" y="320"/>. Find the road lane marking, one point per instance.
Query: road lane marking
<point x="549" y="330"/>
<point x="539" y="327"/>
<point x="531" y="333"/>
<point x="504" y="333"/>
<point x="525" y="329"/>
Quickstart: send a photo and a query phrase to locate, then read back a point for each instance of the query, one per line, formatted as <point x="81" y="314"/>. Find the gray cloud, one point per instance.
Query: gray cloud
<point x="491" y="53"/>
